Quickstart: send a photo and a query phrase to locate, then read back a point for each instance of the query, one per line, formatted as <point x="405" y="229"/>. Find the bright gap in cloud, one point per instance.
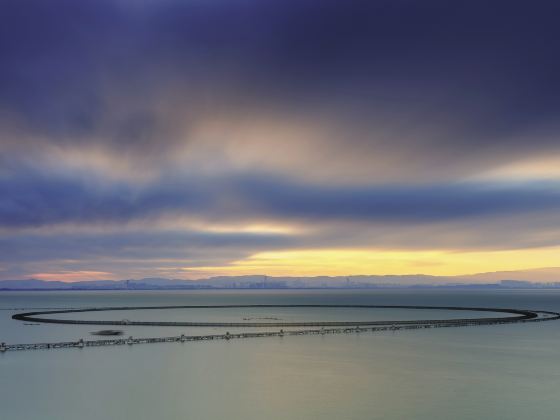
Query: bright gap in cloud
<point x="338" y="262"/>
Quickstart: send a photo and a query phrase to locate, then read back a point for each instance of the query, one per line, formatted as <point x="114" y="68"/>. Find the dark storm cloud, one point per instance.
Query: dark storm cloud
<point x="145" y="245"/>
<point x="397" y="203"/>
<point x="136" y="75"/>
<point x="356" y="123"/>
<point x="459" y="217"/>
<point x="39" y="200"/>
<point x="137" y="253"/>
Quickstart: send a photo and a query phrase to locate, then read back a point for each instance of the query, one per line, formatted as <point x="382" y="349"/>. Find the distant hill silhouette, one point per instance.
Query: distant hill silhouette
<point x="543" y="277"/>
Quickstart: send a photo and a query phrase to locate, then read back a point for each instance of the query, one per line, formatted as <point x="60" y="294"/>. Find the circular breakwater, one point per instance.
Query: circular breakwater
<point x="513" y="315"/>
<point x="326" y="327"/>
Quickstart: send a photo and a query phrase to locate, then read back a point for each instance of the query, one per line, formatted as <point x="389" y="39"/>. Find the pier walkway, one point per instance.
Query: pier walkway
<point x="337" y="327"/>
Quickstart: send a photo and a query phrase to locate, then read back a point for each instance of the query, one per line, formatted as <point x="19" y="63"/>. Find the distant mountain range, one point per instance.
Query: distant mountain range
<point x="545" y="277"/>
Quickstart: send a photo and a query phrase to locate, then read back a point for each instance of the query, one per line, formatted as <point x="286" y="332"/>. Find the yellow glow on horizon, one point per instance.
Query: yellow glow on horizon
<point x="338" y="262"/>
<point x="74" y="276"/>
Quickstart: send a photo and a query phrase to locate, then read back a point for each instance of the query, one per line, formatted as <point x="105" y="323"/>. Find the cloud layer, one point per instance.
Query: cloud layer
<point x="205" y="132"/>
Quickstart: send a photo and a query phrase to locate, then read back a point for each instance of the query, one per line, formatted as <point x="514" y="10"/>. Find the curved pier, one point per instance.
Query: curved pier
<point x="520" y="315"/>
<point x="35" y="316"/>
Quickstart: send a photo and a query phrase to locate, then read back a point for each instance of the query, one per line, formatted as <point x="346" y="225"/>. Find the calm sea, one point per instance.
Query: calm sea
<point x="504" y="372"/>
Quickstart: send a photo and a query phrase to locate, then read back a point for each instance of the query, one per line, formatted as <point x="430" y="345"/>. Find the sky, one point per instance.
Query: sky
<point x="193" y="138"/>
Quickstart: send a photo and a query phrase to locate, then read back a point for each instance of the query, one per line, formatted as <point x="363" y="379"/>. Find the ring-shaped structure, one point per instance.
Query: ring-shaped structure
<point x="514" y="315"/>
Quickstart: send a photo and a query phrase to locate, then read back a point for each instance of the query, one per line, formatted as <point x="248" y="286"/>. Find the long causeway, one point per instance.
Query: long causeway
<point x="320" y="327"/>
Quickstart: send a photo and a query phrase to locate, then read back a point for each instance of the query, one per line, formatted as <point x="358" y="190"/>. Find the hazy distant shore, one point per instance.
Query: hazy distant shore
<point x="272" y="283"/>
